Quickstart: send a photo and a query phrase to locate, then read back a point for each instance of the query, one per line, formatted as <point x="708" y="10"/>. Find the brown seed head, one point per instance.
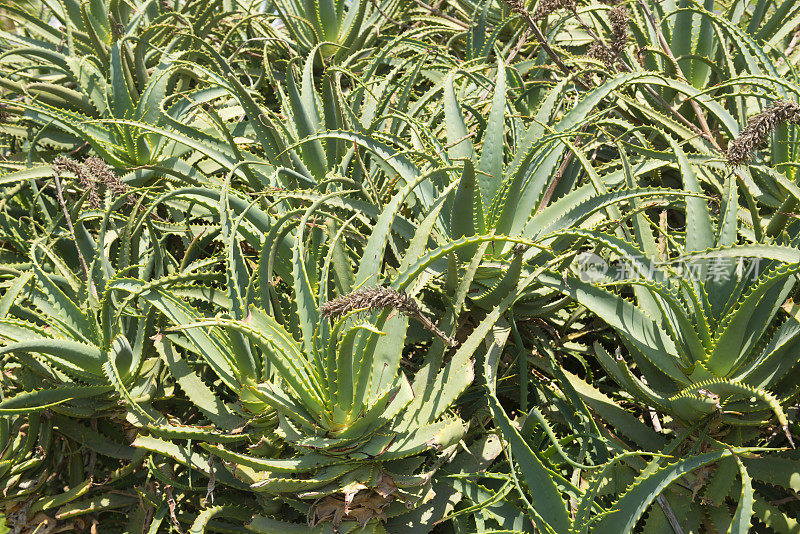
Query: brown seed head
<point x="545" y="7"/>
<point x="91" y="175"/>
<point x="375" y="298"/>
<point x="609" y="54"/>
<point x="619" y="29"/>
<point x="63" y="164"/>
<point x="517" y="6"/>
<point x="602" y="53"/>
<point x="758" y="129"/>
<point x="102" y="174"/>
<point x="370" y="298"/>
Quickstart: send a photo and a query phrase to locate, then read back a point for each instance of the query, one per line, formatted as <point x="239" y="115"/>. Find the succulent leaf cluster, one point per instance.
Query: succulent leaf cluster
<point x="399" y="266"/>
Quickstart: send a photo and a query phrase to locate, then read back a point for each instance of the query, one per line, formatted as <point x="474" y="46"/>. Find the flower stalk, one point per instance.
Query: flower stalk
<point x="375" y="298"/>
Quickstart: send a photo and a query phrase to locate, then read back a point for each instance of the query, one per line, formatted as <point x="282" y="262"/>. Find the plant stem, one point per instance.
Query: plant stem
<point x="701" y="118"/>
<point x="71" y="228"/>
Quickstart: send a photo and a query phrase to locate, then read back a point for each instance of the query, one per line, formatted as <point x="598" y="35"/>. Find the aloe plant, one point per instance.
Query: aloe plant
<point x="103" y="96"/>
<point x="53" y="311"/>
<point x="708" y="326"/>
<point x="67" y="366"/>
<point x="338" y="26"/>
<point x="252" y="252"/>
<point x="358" y="430"/>
<point x="707" y="344"/>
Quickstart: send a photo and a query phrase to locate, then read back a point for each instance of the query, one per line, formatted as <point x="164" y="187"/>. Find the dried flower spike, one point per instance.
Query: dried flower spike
<point x="63" y="163"/>
<point x="517" y="6"/>
<point x="602" y="53"/>
<point x="92" y="173"/>
<point x="101" y="172"/>
<point x="758" y="129"/>
<point x="619" y="29"/>
<point x="545" y="7"/>
<point x="371" y="298"/>
<point x="610" y="54"/>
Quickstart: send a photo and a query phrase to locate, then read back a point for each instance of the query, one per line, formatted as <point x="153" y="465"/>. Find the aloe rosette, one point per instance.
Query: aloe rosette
<point x="335" y="428"/>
